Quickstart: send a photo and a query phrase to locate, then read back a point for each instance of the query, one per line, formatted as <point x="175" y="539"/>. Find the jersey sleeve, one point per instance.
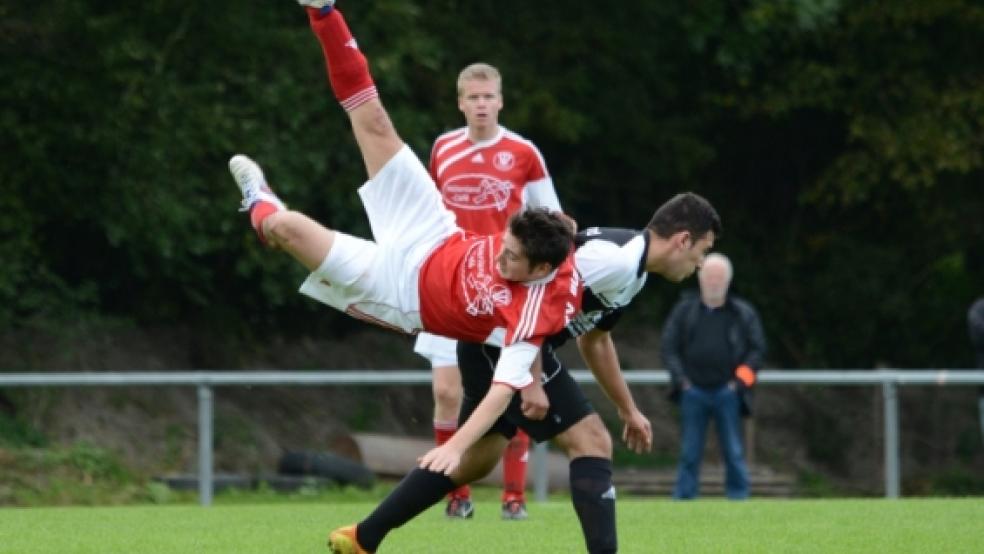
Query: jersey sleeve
<point x="432" y="164"/>
<point x="539" y="191"/>
<point x="513" y="367"/>
<point x="606" y="266"/>
<point x="541" y="194"/>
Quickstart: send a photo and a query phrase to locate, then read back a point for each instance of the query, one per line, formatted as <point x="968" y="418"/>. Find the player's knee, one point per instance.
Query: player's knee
<point x="588" y="437"/>
<point x="447" y="395"/>
<point x="376" y="122"/>
<point x="600" y="438"/>
<point x="480" y="459"/>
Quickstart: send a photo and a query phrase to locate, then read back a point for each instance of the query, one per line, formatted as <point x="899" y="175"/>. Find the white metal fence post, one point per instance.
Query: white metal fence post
<point x="541" y="476"/>
<point x="205" y="445"/>
<point x="891" y="407"/>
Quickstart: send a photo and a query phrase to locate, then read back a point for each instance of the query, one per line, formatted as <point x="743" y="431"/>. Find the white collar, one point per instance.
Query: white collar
<point x="490" y="141"/>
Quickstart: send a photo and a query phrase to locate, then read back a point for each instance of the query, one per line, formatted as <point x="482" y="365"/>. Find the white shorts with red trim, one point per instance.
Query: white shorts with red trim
<point x="377" y="281"/>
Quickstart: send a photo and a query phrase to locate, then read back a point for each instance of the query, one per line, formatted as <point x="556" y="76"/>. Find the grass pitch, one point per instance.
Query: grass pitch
<point x="645" y="526"/>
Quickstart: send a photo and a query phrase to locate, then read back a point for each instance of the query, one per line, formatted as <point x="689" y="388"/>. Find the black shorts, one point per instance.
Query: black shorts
<point x="568" y="405"/>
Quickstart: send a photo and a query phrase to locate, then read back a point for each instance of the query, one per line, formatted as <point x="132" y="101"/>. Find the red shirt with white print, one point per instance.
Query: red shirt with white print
<point x="485" y="182"/>
<point x="463" y="296"/>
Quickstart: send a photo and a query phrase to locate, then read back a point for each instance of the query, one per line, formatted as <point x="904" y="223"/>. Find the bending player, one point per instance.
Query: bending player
<point x="614" y="264"/>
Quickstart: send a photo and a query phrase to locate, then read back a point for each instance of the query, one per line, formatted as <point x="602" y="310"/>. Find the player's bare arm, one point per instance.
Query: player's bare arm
<point x="598" y="351"/>
<point x="446" y="458"/>
<point x="513" y="371"/>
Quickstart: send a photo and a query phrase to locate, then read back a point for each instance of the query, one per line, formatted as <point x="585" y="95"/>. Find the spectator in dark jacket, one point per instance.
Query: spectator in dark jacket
<point x="975" y="325"/>
<point x="713" y="346"/>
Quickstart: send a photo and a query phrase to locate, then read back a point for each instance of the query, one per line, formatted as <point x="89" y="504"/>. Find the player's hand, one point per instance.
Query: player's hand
<point x="534" y="402"/>
<point x="637" y="433"/>
<point x="442" y="459"/>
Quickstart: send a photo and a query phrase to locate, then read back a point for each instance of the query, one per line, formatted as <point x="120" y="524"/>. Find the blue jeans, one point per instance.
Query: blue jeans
<point x="697" y="405"/>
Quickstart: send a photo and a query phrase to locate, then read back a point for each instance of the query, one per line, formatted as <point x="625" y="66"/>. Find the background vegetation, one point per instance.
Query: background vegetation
<point x="841" y="141"/>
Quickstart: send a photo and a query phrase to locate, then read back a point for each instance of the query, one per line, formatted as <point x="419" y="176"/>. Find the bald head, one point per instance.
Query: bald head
<point x="715" y="278"/>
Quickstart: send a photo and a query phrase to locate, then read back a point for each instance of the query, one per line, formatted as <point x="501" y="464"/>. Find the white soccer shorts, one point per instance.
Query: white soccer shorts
<point x="377" y="280"/>
<point x="440" y="351"/>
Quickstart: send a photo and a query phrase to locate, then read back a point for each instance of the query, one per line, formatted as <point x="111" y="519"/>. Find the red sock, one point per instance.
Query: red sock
<point x="443" y="430"/>
<point x="348" y="69"/>
<point x="260" y="211"/>
<point x="514" y="467"/>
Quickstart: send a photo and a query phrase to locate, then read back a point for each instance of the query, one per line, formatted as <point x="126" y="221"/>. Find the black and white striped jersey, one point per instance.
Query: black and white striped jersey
<point x="612" y="263"/>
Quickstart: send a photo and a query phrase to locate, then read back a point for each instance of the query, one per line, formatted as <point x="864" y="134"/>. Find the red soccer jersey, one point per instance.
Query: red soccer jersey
<point x="484" y="183"/>
<point x="463" y="296"/>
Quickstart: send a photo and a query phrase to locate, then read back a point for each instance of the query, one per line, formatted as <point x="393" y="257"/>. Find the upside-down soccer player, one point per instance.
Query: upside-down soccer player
<point x="673" y="245"/>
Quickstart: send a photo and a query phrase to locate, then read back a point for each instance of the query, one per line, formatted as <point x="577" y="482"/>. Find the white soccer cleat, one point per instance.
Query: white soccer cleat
<point x="252" y="183"/>
<point x="317" y="4"/>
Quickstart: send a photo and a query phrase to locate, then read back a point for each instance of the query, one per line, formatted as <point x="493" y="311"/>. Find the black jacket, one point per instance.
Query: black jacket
<point x="747" y="340"/>
<point x="975" y="325"/>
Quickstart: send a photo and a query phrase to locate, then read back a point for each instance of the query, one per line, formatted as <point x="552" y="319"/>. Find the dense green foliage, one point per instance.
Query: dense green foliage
<point x="841" y="141"/>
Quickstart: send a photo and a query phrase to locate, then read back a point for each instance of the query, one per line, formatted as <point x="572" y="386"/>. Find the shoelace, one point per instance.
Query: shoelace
<point x="250" y="193"/>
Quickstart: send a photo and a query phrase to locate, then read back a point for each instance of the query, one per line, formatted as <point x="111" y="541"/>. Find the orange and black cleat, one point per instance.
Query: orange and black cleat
<point x="343" y="541"/>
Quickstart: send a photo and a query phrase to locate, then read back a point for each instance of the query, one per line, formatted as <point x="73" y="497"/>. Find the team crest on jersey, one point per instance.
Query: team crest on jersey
<point x="504" y="161"/>
<point x="474" y="191"/>
<point x="482" y="293"/>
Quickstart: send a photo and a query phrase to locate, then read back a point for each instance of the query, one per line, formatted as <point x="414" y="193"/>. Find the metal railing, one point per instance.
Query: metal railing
<point x="205" y="381"/>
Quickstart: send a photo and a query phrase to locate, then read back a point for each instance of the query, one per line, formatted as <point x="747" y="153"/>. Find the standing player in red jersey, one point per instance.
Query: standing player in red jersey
<point x="485" y="173"/>
<point x="422" y="272"/>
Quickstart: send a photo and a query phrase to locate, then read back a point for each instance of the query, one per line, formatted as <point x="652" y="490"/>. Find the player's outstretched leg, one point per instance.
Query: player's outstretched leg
<point x="352" y="83"/>
<point x="419" y="490"/>
<point x="258" y="198"/>
<point x="303" y="238"/>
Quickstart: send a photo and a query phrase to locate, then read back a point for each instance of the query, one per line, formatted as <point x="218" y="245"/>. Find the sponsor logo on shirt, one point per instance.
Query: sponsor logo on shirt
<point x="482" y="293"/>
<point x="473" y="191"/>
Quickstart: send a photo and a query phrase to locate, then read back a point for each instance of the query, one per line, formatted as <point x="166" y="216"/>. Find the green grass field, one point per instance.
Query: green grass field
<point x="645" y="526"/>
